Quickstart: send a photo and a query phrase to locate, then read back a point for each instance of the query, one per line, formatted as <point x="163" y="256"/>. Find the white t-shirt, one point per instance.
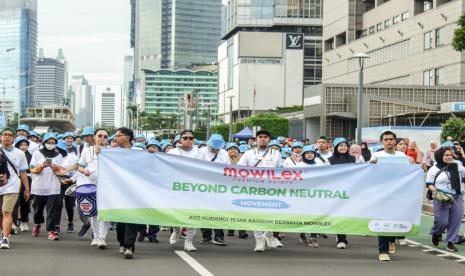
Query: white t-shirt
<point x="375" y="155"/>
<point x="68" y="161"/>
<point x="88" y="161"/>
<point x="18" y="158"/>
<point x="272" y="159"/>
<point x="222" y="157"/>
<point x="290" y="162"/>
<point x="193" y="153"/>
<point x="443" y="181"/>
<point x="360" y="159"/>
<point x="325" y="155"/>
<point x="46" y="182"/>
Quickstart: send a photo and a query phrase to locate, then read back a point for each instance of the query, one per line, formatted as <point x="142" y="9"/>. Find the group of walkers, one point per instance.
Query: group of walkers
<point x="41" y="173"/>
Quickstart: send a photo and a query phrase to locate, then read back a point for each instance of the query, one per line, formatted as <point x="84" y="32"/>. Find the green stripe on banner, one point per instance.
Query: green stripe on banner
<point x="200" y="218"/>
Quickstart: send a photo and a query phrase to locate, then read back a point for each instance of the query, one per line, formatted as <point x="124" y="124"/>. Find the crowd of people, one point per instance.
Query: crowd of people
<point x="40" y="173"/>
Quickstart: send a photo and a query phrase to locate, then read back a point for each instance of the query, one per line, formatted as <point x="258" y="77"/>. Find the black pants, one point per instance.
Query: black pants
<point x="50" y="203"/>
<point x="22" y="205"/>
<point x="207" y="233"/>
<point x="69" y="205"/>
<point x="383" y="244"/>
<point x="341" y="238"/>
<point x="126" y="234"/>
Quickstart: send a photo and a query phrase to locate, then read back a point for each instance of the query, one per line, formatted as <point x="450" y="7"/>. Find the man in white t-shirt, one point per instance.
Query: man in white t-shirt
<point x="323" y="148"/>
<point x="214" y="152"/>
<point x="187" y="149"/>
<point x="262" y="156"/>
<point x="389" y="141"/>
<point x="10" y="191"/>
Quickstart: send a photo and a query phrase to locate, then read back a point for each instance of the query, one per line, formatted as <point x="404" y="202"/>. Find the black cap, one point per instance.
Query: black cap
<point x="261" y="132"/>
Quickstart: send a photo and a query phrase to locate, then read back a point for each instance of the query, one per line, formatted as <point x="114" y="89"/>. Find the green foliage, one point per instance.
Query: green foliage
<point x="282" y="110"/>
<point x="222" y="129"/>
<point x="458" y="41"/>
<point x="200" y="134"/>
<point x="276" y="125"/>
<point x="454" y="127"/>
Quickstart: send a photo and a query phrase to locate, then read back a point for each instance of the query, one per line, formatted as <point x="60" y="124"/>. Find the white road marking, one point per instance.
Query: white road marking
<point x="445" y="253"/>
<point x="193" y="263"/>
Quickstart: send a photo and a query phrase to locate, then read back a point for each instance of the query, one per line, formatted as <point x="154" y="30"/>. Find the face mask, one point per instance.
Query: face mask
<point x="50" y="147"/>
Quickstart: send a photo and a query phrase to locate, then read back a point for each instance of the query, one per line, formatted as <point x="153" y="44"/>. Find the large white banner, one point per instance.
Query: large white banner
<point x="365" y="199"/>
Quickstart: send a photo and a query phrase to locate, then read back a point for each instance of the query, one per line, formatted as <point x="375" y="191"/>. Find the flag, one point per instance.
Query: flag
<point x="254" y="92"/>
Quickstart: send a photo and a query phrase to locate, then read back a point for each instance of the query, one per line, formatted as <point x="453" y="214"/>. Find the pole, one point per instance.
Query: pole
<point x="358" y="137"/>
<point x="230" y="117"/>
<point x="208" y="122"/>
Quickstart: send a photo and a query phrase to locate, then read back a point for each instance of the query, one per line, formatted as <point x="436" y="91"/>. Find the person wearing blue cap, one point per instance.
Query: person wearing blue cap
<point x="22" y="143"/>
<point x="166" y="147"/>
<point x="153" y="146"/>
<point x="140" y="138"/>
<point x="186" y="149"/>
<point x="214" y="152"/>
<point x="87" y="136"/>
<point x="274" y="144"/>
<point x="24" y="130"/>
<point x="244" y="148"/>
<point x="296" y="157"/>
<point x="12" y="176"/>
<point x="388" y="139"/>
<point x="69" y="138"/>
<point x="233" y="152"/>
<point x="262" y="156"/>
<point x="46" y="186"/>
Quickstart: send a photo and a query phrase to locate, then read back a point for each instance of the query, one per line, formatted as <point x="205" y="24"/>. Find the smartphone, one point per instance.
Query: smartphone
<point x="48" y="160"/>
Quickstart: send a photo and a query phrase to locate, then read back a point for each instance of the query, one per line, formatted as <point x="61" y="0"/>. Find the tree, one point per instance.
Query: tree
<point x="458" y="41"/>
<point x="454" y="127"/>
<point x="276" y="125"/>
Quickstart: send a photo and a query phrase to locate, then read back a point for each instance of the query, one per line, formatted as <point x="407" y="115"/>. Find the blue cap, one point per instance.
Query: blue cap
<point x="139" y="145"/>
<point x="339" y="140"/>
<point x="33" y="133"/>
<point x="153" y="142"/>
<point x="231" y="145"/>
<point x="23" y="127"/>
<point x="244" y="148"/>
<point x="280" y="138"/>
<point x="20" y="139"/>
<point x="60" y="136"/>
<point x="69" y="134"/>
<point x="275" y="143"/>
<point x="308" y="148"/>
<point x="50" y="135"/>
<point x="87" y="131"/>
<point x="62" y="145"/>
<point x="286" y="152"/>
<point x="447" y="144"/>
<point x="140" y="136"/>
<point x="216" y="141"/>
<point x="165" y="145"/>
<point x="297" y="145"/>
<point x="242" y="142"/>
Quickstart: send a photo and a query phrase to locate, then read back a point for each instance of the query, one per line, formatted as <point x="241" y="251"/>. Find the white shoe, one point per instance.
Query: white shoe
<point x="121" y="250"/>
<point x="273" y="242"/>
<point x="189" y="246"/>
<point x="174" y="237"/>
<point x="94" y="242"/>
<point x="128" y="254"/>
<point x="402" y="242"/>
<point x="260" y="245"/>
<point x="341" y="245"/>
<point x="102" y="244"/>
<point x="384" y="257"/>
<point x="24" y="227"/>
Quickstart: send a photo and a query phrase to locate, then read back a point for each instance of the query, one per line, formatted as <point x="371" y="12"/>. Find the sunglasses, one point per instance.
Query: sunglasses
<point x="102" y="136"/>
<point x="188" y="138"/>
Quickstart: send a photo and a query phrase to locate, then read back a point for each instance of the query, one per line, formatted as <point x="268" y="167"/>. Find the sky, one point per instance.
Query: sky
<point x="94" y="36"/>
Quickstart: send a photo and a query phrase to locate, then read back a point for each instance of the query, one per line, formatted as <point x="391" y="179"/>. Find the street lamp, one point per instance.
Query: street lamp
<point x="230" y="118"/>
<point x="361" y="59"/>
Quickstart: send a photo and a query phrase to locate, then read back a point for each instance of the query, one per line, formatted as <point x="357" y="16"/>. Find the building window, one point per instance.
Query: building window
<point x="428" y="77"/>
<point x="387" y="23"/>
<point x="440" y="36"/>
<point x="405" y="16"/>
<point x="379" y="26"/>
<point x="428" y="40"/>
<point x="364" y="32"/>
<point x="439" y="76"/>
<point x="395" y="19"/>
<point x="230" y="66"/>
<point x="372" y="29"/>
<point x="427" y="5"/>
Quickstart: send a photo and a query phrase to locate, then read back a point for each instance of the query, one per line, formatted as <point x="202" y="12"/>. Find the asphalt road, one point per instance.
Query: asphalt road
<point x="74" y="256"/>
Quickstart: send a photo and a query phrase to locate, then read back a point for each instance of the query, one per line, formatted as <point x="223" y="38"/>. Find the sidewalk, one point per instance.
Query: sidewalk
<point x="425" y="238"/>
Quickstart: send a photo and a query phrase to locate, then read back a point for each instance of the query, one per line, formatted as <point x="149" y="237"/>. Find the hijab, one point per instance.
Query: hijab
<point x="356" y="151"/>
<point x="451" y="168"/>
<point x="341" y="158"/>
<point x="49" y="153"/>
<point x="309" y="161"/>
<point x="366" y="153"/>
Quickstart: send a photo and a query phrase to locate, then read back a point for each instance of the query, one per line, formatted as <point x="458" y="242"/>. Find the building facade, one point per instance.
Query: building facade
<point x="128" y="88"/>
<point x="51" y="81"/>
<point x="108" y="104"/>
<point x="83" y="101"/>
<point x="18" y="53"/>
<point x="408" y="41"/>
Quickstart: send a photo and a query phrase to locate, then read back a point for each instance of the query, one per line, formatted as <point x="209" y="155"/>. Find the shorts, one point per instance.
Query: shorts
<point x="8" y="202"/>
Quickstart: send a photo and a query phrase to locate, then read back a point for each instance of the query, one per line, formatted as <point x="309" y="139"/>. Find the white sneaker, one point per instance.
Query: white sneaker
<point x="189" y="246"/>
<point x="5" y="243"/>
<point x="128" y="254"/>
<point x="402" y="242"/>
<point x="121" y="250"/>
<point x="174" y="237"/>
<point x="384" y="257"/>
<point x="102" y="244"/>
<point x="273" y="242"/>
<point x="341" y="245"/>
<point x="94" y="242"/>
<point x="24" y="227"/>
<point x="260" y="245"/>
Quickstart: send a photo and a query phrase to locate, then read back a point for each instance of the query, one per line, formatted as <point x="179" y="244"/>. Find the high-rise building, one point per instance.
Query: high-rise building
<point x="108" y="106"/>
<point x="51" y="80"/>
<point x="271" y="50"/>
<point x="83" y="103"/>
<point x="176" y="34"/>
<point x="18" y="53"/>
<point x="128" y="88"/>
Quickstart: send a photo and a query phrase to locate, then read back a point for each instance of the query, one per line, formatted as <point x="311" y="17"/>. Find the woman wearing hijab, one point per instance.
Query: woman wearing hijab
<point x="429" y="160"/>
<point x="366" y="153"/>
<point x="356" y="151"/>
<point x="24" y="205"/>
<point x="446" y="176"/>
<point x="341" y="156"/>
